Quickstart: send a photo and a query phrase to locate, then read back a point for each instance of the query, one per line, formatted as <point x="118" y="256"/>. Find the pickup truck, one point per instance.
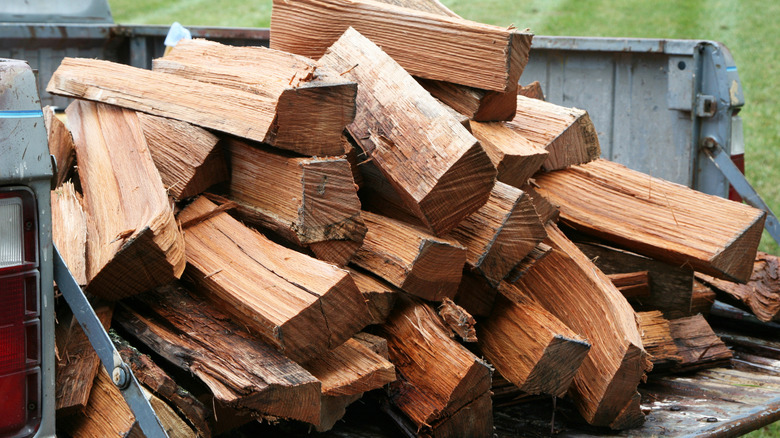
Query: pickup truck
<point x="687" y="90"/>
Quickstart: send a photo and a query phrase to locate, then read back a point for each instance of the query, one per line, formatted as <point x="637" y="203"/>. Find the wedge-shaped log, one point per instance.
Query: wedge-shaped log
<point x="567" y="134"/>
<point x="474" y="103"/>
<point x="476" y="294"/>
<point x="500" y="233"/>
<point x="434" y="47"/>
<point x="515" y="158"/>
<point x="532" y="90"/>
<point x="188" y="157"/>
<point x="657" y="339"/>
<point x="438" y="377"/>
<point x="632" y="284"/>
<point x="150" y="92"/>
<point x="530" y="347"/>
<point x="437" y="167"/>
<point x="293" y="81"/>
<point x="379" y="295"/>
<point x="304" y="200"/>
<point x="657" y="218"/>
<point x="69" y="229"/>
<point x="134" y="243"/>
<point x="298" y="304"/>
<point x="60" y="144"/>
<point x="194" y="336"/>
<point x="568" y="285"/>
<point x="697" y="344"/>
<point x="541" y="251"/>
<point x="350" y="369"/>
<point x="410" y="258"/>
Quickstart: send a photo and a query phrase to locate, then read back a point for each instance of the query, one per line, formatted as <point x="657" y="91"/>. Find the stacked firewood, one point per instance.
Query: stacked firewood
<point x="373" y="203"/>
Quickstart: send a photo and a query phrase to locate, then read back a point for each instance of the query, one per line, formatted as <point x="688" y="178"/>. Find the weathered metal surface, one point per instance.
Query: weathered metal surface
<point x="55" y="11"/>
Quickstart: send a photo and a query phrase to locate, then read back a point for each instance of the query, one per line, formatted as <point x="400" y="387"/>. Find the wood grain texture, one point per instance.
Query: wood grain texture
<point x="410" y="258"/>
<point x="632" y="284"/>
<point x="298" y="304"/>
<point x="530" y="347"/>
<point x="437" y="376"/>
<point x="546" y="210"/>
<point x="243" y="373"/>
<point x="568" y="285"/>
<point x="434" y="46"/>
<point x="69" y="229"/>
<point x="379" y="295"/>
<point x="567" y="134"/>
<point x="304" y="200"/>
<point x="189" y="158"/>
<point x="293" y="82"/>
<point x="697" y="344"/>
<point x="351" y="369"/>
<point x="501" y="233"/>
<point x="60" y="145"/>
<point x="460" y="322"/>
<point x="657" y="218"/>
<point x="702" y="298"/>
<point x="134" y="243"/>
<point x="541" y="251"/>
<point x="657" y="339"/>
<point x="476" y="294"/>
<point x="532" y="90"/>
<point x="516" y="159"/>
<point x="436" y="166"/>
<point x="474" y="103"/>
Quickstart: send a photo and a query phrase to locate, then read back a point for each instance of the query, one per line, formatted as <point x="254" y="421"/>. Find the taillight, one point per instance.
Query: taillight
<point x="20" y="323"/>
<point x="737" y="152"/>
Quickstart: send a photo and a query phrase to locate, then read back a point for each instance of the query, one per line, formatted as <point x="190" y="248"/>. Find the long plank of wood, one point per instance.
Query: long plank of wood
<point x="514" y="156"/>
<point x="530" y="347"/>
<point x="350" y="369"/>
<point x="697" y="344"/>
<point x="438" y="377"/>
<point x="189" y="158"/>
<point x="568" y="285"/>
<point x="134" y="243"/>
<point x="293" y="81"/>
<point x="60" y="145"/>
<point x="657" y="339"/>
<point x="437" y="167"/>
<point x="296" y="303"/>
<point x="434" y="47"/>
<point x="151" y="92"/>
<point x="304" y="200"/>
<point x="379" y="295"/>
<point x="657" y="218"/>
<point x="194" y="336"/>
<point x="760" y="295"/>
<point x="410" y="258"/>
<point x="69" y="229"/>
<point x="567" y="134"/>
<point x="500" y="233"/>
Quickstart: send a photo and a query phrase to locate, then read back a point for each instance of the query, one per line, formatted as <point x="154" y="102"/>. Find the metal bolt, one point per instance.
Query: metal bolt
<point x="712" y="420"/>
<point x="32" y="406"/>
<point x="28" y="225"/>
<point x="709" y="142"/>
<point x="675" y="408"/>
<point x="120" y="377"/>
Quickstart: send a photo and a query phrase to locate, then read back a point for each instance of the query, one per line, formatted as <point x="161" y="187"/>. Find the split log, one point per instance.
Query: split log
<point x="379" y="295"/>
<point x="410" y="258"/>
<point x="60" y="145"/>
<point x="298" y="304"/>
<point x="697" y="344"/>
<point x="69" y="229"/>
<point x="474" y="103"/>
<point x="293" y="82"/>
<point x="439" y="380"/>
<point x="77" y="361"/>
<point x="570" y="287"/>
<point x="430" y="6"/>
<point x="702" y="298"/>
<point x="188" y="157"/>
<point x="657" y="339"/>
<point x="530" y="347"/>
<point x="632" y="284"/>
<point x="515" y="158"/>
<point x="304" y="200"/>
<point x="761" y="294"/>
<point x="195" y="337"/>
<point x="435" y="46"/>
<point x="541" y="251"/>
<point x="134" y="243"/>
<point x="350" y="369"/>
<point x="532" y="90"/>
<point x="657" y="218"/>
<point x="375" y="343"/>
<point x="476" y="294"/>
<point x="567" y="134"/>
<point x="459" y="321"/>
<point x="501" y="233"/>
<point x="546" y="210"/>
<point x="337" y="252"/>
<point x="148" y="91"/>
<point x="437" y="167"/>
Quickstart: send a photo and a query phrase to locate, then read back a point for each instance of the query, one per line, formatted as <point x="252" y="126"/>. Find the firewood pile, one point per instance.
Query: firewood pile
<point x="371" y="205"/>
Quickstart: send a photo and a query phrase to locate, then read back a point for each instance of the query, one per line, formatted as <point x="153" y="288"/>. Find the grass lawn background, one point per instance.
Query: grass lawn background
<point x="747" y="27"/>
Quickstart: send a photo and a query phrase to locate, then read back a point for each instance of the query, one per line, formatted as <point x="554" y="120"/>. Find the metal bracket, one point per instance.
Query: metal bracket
<point x="706" y="106"/>
<point x="119" y="371"/>
<point x="723" y="162"/>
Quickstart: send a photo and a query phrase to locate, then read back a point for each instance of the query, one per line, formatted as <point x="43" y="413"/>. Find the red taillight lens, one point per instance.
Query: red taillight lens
<point x="20" y="333"/>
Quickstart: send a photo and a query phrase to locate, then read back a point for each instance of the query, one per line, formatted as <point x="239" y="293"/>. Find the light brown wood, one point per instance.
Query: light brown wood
<point x="530" y="347"/>
<point x="350" y="369"/>
<point x="435" y="46"/>
<point x="570" y="287"/>
<point x="437" y="167"/>
<point x="379" y="295"/>
<point x="134" y="243"/>
<point x="69" y="229"/>
<point x="760" y="295"/>
<point x="657" y="340"/>
<point x="292" y="82"/>
<point x="702" y="298"/>
<point x="515" y="158"/>
<point x="567" y="134"/>
<point x="304" y="200"/>
<point x="458" y="320"/>
<point x="375" y="343"/>
<point x="632" y="284"/>
<point x="546" y="210"/>
<point x="501" y="233"/>
<point x="189" y="158"/>
<point x="657" y="218"/>
<point x="60" y="145"/>
<point x="172" y="423"/>
<point x="193" y="336"/>
<point x="474" y="103"/>
<point x="438" y="377"/>
<point x="430" y="6"/>
<point x="298" y="304"/>
<point x="697" y="344"/>
<point x="541" y="251"/>
<point x="337" y="252"/>
<point x="532" y="90"/>
<point x="410" y="258"/>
